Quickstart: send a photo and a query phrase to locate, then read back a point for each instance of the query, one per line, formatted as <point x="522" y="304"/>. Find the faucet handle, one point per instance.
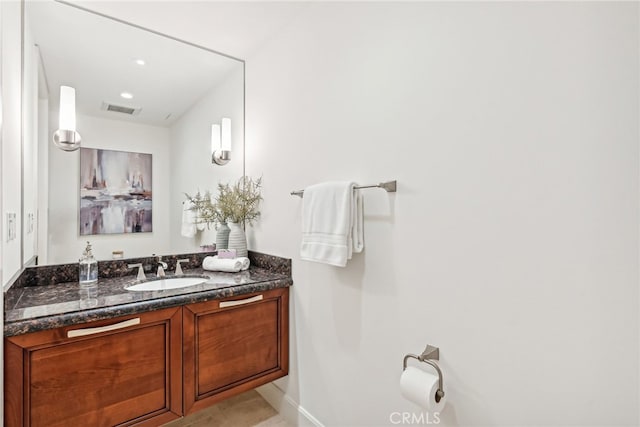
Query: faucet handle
<point x="141" y="275"/>
<point x="179" y="267"/>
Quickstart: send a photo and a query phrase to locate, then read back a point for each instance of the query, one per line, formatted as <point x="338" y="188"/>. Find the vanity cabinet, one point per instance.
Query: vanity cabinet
<point x="140" y="369"/>
<point x="233" y="345"/>
<point x="122" y="371"/>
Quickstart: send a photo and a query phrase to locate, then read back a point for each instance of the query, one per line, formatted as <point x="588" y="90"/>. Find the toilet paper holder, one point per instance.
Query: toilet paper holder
<point x="428" y="356"/>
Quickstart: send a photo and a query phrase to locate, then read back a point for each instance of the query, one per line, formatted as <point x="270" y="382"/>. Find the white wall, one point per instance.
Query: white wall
<point x="512" y="243"/>
<point x="191" y="166"/>
<point x="11" y="134"/>
<point x="64" y="242"/>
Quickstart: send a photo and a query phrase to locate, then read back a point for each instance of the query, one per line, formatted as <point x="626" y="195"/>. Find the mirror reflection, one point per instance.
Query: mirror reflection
<point x="145" y="107"/>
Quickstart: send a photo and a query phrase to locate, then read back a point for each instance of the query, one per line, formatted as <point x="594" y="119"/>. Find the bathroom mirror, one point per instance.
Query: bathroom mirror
<point x="137" y="91"/>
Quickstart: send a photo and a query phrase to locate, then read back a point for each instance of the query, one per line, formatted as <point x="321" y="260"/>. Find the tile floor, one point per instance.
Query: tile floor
<point x="245" y="410"/>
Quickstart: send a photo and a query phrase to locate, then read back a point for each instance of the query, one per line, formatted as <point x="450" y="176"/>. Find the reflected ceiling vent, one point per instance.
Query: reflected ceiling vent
<point x="132" y="111"/>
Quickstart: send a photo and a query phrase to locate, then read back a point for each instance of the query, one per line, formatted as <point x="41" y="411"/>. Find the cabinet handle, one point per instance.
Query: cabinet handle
<point x="91" y="331"/>
<point x="224" y="304"/>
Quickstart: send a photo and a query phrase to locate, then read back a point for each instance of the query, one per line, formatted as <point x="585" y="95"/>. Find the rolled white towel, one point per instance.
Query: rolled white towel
<point x="213" y="263"/>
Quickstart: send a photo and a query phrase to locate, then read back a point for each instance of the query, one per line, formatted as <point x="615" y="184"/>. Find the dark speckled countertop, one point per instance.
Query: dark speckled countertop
<point x="35" y="308"/>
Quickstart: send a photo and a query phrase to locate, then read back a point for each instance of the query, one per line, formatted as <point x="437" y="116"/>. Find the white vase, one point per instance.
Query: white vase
<point x="222" y="236"/>
<point x="237" y="239"/>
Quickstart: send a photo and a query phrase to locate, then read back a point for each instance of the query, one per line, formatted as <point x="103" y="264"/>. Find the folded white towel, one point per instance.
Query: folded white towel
<point x="331" y="223"/>
<point x="229" y="265"/>
<point x="188" y="219"/>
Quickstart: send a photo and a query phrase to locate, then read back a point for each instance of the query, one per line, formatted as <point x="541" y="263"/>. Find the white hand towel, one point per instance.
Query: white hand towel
<point x="245" y="263"/>
<point x="188" y="219"/>
<point x="229" y="265"/>
<point x="330" y="211"/>
<point x="200" y="224"/>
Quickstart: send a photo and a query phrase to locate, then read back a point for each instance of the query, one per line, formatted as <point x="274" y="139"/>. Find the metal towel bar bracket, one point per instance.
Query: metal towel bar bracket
<point x="428" y="356"/>
<point x="388" y="186"/>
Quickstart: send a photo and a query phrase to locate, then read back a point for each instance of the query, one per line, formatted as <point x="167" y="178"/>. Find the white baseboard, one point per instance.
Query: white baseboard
<point x="288" y="408"/>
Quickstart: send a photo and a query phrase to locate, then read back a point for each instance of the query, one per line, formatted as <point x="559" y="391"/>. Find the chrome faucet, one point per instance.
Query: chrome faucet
<point x="161" y="267"/>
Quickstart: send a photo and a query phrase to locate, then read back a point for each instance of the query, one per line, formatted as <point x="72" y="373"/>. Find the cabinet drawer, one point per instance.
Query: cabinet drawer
<point x="115" y="372"/>
<point x="234" y="345"/>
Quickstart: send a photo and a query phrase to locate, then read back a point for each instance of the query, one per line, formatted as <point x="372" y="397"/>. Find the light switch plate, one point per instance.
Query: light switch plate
<point x="11" y="226"/>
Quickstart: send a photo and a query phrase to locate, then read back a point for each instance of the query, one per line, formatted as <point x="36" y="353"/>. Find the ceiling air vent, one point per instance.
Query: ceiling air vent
<point x="132" y="111"/>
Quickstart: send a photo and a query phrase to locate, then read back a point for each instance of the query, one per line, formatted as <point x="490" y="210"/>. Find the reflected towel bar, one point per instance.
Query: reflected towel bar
<point x="388" y="186"/>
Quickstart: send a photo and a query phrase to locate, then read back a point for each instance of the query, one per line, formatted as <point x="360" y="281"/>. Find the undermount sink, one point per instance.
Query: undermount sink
<point x="167" y="283"/>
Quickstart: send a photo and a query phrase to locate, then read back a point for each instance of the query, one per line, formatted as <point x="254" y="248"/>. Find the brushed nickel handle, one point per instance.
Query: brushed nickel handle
<point x="141" y="275"/>
<point x="179" y="267"/>
<point x="91" y="331"/>
<point x="224" y="304"/>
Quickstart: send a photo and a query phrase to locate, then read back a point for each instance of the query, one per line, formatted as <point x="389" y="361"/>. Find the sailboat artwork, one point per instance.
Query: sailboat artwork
<point x="115" y="192"/>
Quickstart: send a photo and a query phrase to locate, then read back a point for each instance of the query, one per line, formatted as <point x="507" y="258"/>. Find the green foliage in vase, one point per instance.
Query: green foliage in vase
<point x="235" y="203"/>
<point x="206" y="210"/>
<point x="239" y="202"/>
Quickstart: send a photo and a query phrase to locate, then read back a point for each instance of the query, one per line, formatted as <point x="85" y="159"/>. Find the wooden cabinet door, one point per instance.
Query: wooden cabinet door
<point x="234" y="345"/>
<point x="123" y="371"/>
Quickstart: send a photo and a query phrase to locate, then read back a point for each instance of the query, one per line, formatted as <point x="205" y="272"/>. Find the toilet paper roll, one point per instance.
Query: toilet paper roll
<point x="420" y="387"/>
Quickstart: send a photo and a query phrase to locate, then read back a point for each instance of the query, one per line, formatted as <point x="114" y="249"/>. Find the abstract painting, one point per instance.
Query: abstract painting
<point x="115" y="192"/>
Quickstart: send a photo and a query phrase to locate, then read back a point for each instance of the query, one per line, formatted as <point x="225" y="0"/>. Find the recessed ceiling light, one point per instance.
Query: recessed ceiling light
<point x="126" y="95"/>
<point x="140" y="61"/>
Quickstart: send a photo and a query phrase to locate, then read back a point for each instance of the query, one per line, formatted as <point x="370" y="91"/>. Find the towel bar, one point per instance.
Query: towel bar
<point x="428" y="356"/>
<point x="388" y="186"/>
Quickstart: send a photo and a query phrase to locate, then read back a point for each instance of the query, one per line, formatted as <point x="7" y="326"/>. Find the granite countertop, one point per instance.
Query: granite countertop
<point x="35" y="308"/>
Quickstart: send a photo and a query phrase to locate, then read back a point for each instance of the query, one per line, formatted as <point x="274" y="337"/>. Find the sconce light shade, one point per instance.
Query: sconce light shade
<point x="67" y="108"/>
<point x="66" y="137"/>
<point x="226" y="134"/>
<point x="215" y="138"/>
<point x="221" y="142"/>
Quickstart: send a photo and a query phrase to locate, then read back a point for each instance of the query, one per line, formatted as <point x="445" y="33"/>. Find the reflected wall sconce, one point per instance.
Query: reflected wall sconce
<point x="66" y="137"/>
<point x="221" y="142"/>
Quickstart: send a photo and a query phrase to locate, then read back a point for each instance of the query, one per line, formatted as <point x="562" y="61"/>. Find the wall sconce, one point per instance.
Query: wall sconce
<point x="66" y="137"/>
<point x="221" y="142"/>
